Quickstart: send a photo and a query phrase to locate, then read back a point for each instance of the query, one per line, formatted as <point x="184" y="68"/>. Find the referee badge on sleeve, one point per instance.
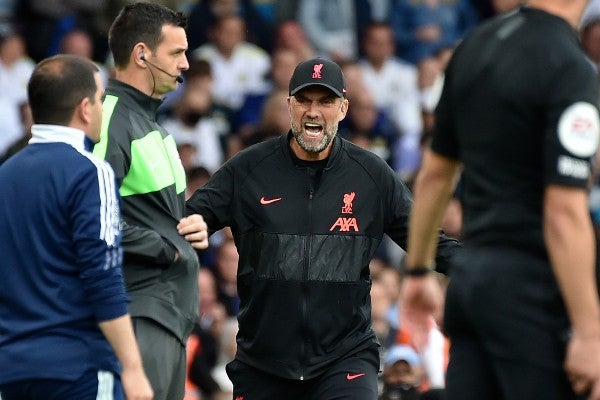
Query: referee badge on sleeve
<point x="579" y="129"/>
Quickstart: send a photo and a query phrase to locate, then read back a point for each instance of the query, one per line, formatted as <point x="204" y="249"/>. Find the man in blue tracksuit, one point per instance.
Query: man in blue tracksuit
<point x="65" y="332"/>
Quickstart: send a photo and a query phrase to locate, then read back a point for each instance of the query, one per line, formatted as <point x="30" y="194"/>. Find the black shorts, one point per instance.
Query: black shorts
<point x="507" y="326"/>
<point x="350" y="378"/>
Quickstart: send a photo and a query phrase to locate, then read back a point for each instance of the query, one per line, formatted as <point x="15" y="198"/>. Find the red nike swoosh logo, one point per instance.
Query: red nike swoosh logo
<point x="269" y="201"/>
<point x="350" y="377"/>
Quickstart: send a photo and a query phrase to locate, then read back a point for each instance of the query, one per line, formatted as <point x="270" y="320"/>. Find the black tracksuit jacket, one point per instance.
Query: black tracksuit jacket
<point x="303" y="274"/>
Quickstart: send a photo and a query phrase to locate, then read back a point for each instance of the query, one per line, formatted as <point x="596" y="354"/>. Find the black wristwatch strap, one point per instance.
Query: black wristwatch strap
<point x="421" y="270"/>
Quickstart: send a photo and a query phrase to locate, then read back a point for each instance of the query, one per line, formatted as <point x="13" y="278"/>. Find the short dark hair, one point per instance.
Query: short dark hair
<point x="57" y="86"/>
<point x="140" y="22"/>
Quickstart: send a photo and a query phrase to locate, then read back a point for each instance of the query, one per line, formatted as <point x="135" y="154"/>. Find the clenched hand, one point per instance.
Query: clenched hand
<point x="194" y="230"/>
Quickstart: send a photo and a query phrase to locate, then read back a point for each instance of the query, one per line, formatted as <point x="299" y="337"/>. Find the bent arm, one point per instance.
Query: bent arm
<point x="96" y="234"/>
<point x="146" y="245"/>
<point x="422" y="296"/>
<point x="119" y="333"/>
<point x="569" y="238"/>
<point x="570" y="242"/>
<point x="433" y="190"/>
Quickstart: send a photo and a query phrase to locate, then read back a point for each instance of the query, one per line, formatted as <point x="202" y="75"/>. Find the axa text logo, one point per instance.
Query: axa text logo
<point x="345" y="224"/>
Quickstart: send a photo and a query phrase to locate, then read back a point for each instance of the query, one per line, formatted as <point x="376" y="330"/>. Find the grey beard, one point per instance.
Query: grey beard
<point x="319" y="147"/>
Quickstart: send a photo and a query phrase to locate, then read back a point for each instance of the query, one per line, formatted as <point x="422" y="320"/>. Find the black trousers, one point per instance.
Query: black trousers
<point x="507" y="326"/>
<point x="351" y="378"/>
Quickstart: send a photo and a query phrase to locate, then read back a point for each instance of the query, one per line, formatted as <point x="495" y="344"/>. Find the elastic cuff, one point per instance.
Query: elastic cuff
<point x="419" y="271"/>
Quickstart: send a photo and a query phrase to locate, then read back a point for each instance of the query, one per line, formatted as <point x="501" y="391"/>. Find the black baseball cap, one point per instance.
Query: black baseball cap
<point x="319" y="72"/>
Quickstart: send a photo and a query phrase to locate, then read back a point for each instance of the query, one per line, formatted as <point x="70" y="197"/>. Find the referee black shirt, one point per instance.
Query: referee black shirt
<point x="519" y="110"/>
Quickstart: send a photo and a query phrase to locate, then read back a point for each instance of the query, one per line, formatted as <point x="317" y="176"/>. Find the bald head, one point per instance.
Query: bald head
<point x="68" y="75"/>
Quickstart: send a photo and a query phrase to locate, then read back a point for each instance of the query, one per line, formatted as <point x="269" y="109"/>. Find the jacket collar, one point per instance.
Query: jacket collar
<point x="43" y="133"/>
<point x="147" y="105"/>
<point x="333" y="156"/>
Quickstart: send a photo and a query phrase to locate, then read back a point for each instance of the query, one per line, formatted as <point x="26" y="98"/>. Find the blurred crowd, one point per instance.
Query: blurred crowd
<point x="242" y="54"/>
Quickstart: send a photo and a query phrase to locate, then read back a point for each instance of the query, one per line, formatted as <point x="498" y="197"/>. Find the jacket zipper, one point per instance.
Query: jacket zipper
<point x="305" y="277"/>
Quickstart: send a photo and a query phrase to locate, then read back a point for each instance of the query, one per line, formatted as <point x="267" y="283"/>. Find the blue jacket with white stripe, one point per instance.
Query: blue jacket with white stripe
<point x="60" y="258"/>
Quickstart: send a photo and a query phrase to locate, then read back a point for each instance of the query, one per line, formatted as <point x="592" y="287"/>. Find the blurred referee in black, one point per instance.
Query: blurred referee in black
<point x="518" y="115"/>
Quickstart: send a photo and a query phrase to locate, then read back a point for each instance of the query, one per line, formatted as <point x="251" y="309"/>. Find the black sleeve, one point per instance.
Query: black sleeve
<point x="446" y="249"/>
<point x="571" y="124"/>
<point x="213" y="200"/>
<point x="401" y="203"/>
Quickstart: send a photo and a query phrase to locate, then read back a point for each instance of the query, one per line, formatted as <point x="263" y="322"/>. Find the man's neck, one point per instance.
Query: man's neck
<point x="569" y="10"/>
<point x="377" y="64"/>
<point x="135" y="79"/>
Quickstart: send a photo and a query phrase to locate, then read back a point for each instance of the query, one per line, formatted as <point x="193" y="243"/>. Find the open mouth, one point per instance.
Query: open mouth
<point x="313" y="129"/>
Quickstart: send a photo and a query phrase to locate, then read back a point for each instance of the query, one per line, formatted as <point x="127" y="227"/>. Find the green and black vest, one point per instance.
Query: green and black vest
<point x="152" y="186"/>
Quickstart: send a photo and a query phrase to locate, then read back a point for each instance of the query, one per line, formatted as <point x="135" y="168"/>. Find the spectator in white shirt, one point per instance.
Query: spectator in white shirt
<point x="394" y="84"/>
<point x="15" y="70"/>
<point x="191" y="121"/>
<point x="239" y="67"/>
